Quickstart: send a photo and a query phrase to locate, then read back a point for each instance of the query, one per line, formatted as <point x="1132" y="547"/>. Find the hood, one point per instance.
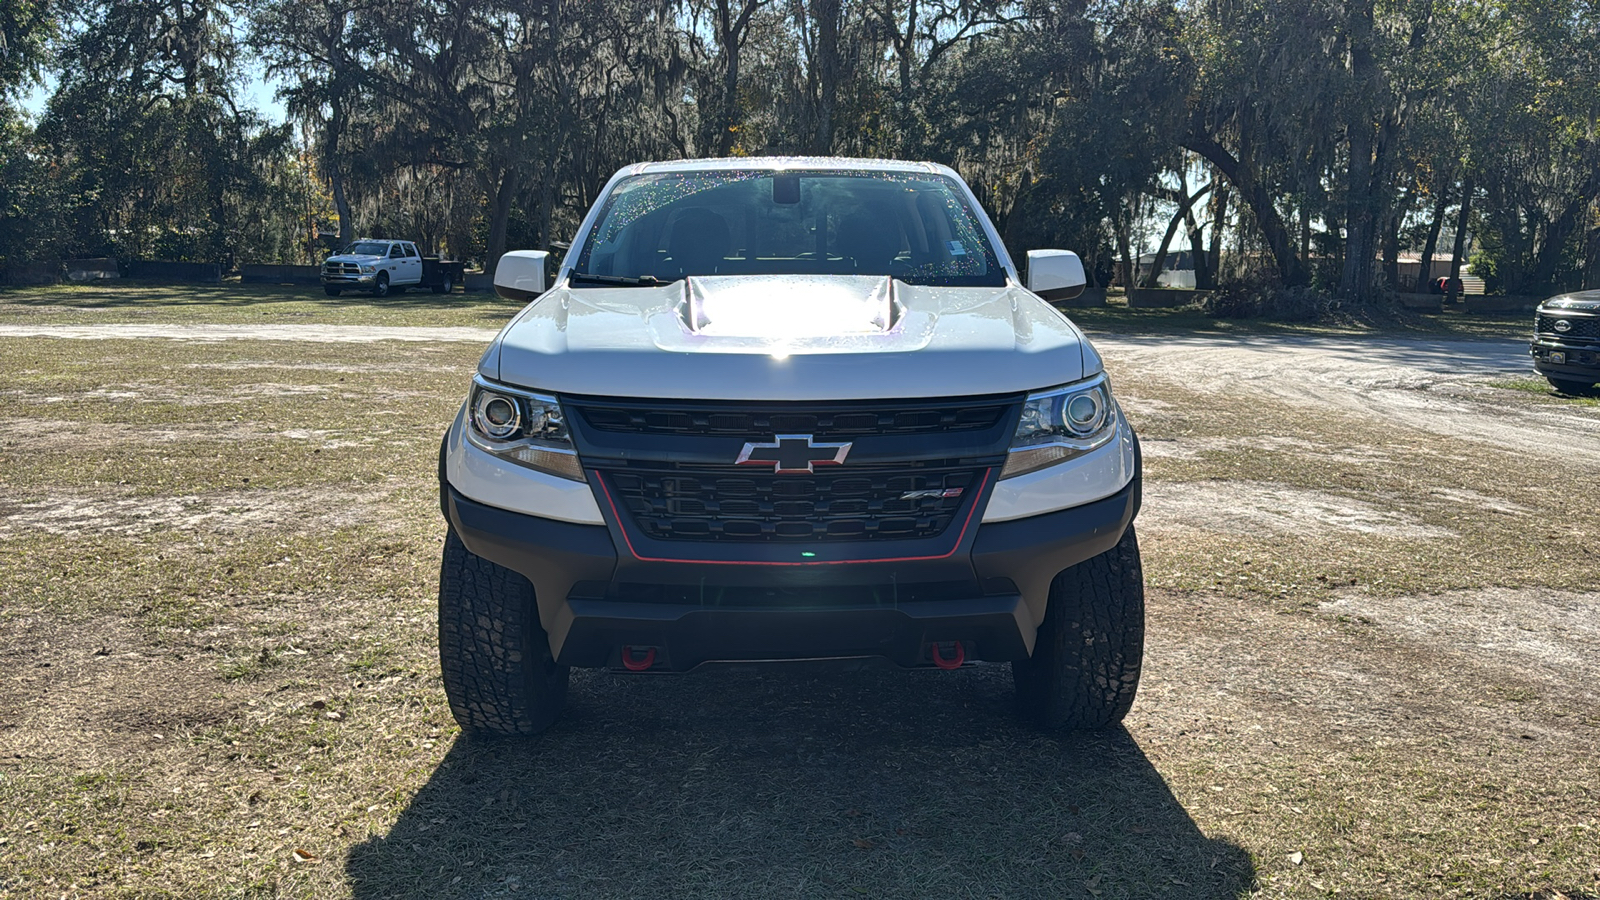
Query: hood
<point x="789" y="338"/>
<point x="1584" y="301"/>
<point x="354" y="258"/>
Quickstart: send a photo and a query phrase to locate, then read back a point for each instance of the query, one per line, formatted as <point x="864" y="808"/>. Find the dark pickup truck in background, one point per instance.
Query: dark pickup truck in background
<point x="1566" y="341"/>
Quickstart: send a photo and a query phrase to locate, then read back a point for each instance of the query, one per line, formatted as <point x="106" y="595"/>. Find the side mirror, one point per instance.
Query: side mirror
<point x="1055" y="274"/>
<point x="520" y="274"/>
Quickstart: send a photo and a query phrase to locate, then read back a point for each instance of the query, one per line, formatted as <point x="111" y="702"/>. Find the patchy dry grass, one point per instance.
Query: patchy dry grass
<point x="243" y="304"/>
<point x="1117" y="318"/>
<point x="1539" y="387"/>
<point x="1371" y="670"/>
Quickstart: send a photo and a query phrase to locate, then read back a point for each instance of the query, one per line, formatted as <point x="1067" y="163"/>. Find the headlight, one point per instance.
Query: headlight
<point x="523" y="427"/>
<point x="369" y="269"/>
<point x="1062" y="423"/>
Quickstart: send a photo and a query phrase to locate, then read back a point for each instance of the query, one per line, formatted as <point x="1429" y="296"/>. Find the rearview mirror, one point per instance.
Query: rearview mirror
<point x="1055" y="274"/>
<point x="520" y="274"/>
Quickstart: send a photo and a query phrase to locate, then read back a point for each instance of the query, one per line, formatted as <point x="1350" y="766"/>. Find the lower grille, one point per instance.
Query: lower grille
<point x="770" y="597"/>
<point x="867" y="503"/>
<point x="1584" y="328"/>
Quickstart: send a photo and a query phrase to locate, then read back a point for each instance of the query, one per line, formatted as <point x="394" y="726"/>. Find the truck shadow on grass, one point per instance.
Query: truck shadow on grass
<point x="778" y="783"/>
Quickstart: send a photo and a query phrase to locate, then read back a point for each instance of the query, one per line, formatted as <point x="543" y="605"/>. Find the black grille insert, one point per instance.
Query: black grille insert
<point x="821" y="424"/>
<point x="669" y="502"/>
<point x="1586" y="328"/>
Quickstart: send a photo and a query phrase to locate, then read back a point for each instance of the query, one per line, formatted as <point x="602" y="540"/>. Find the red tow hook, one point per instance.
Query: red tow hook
<point x="639" y="664"/>
<point x="952" y="662"/>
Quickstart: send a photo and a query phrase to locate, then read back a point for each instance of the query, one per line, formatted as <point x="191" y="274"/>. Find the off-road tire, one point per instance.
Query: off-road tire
<point x="445" y="285"/>
<point x="498" y="672"/>
<point x="380" y="287"/>
<point x="1569" y="386"/>
<point x="330" y="290"/>
<point x="1085" y="666"/>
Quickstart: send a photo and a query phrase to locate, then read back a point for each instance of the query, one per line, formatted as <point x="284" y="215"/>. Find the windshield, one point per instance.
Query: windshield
<point x="664" y="226"/>
<point x="368" y="248"/>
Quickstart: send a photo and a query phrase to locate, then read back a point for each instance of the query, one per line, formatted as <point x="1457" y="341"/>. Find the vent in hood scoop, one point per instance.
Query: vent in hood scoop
<point x="800" y="306"/>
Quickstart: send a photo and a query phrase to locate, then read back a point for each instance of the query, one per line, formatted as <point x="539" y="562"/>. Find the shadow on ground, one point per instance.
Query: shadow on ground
<point x="794" y="784"/>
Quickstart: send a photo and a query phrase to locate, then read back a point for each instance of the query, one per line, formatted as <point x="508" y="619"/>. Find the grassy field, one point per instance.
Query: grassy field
<point x="1373" y="669"/>
<point x="244" y="304"/>
<point x="236" y="304"/>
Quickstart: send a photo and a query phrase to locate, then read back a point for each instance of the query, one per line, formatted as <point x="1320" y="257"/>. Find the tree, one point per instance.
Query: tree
<point x="717" y="65"/>
<point x="1533" y="142"/>
<point x="154" y="150"/>
<point x="26" y="29"/>
<point x="316" y="47"/>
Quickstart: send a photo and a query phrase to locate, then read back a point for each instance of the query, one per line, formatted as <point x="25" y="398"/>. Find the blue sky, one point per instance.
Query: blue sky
<point x="256" y="93"/>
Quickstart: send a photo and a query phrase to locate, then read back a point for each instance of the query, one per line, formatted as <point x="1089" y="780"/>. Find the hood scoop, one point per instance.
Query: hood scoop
<point x="795" y="308"/>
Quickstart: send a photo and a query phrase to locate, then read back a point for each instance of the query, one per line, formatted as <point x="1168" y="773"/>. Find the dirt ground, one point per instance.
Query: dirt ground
<point x="336" y="334"/>
<point x="1371" y="672"/>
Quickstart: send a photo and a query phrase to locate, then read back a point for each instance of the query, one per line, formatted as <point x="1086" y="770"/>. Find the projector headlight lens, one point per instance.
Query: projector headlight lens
<point x="1062" y="423"/>
<point x="496" y="415"/>
<point x="523" y="427"/>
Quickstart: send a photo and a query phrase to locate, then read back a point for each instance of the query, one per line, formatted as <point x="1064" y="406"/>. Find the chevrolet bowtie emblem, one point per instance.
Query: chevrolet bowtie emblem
<point x="793" y="454"/>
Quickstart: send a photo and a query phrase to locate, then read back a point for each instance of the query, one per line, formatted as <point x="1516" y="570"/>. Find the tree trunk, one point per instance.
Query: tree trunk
<point x="1203" y="279"/>
<point x="904" y="49"/>
<point x="547" y="209"/>
<point x="1125" y="253"/>
<point x="1462" y="218"/>
<point x="1431" y="244"/>
<point x="1361" y="218"/>
<point x="1591" y="258"/>
<point x="1182" y="213"/>
<point x="1558" y="234"/>
<point x="499" y="218"/>
<point x="827" y="62"/>
<point x="1337" y="243"/>
<point x="332" y="130"/>
<point x="728" y="111"/>
<point x="1391" y="251"/>
<point x="341" y="204"/>
<point x="1014" y="223"/>
<point x="1291" y="270"/>
<point x="1305" y="232"/>
<point x="1219" y="221"/>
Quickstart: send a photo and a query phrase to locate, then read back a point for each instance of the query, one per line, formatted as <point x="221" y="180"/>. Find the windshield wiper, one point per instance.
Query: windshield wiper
<point x="640" y="280"/>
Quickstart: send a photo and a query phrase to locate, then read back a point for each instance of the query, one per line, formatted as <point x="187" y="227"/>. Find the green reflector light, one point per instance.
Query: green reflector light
<point x="807" y="553"/>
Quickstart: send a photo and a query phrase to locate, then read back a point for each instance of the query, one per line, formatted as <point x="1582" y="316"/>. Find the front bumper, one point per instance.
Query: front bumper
<point x="1578" y="362"/>
<point x="348" y="280"/>
<point x="594" y="599"/>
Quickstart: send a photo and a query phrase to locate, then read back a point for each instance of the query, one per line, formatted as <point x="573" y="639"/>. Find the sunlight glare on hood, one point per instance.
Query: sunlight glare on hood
<point x="782" y="310"/>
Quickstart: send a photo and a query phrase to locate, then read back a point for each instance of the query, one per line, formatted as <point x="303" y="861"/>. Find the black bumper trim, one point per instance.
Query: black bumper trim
<point x="1002" y="588"/>
<point x="1583" y="360"/>
<point x="991" y="627"/>
<point x="1030" y="552"/>
<point x="553" y="555"/>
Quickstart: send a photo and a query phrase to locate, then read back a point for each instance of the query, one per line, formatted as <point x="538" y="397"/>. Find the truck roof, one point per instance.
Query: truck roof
<point x="788" y="162"/>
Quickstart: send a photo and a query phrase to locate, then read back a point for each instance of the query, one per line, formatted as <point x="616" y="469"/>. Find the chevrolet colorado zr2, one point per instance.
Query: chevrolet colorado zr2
<point x="789" y="409"/>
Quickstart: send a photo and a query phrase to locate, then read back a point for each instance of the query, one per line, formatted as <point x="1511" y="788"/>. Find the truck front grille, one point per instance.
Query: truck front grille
<point x="1583" y="327"/>
<point x="668" y="471"/>
<point x="342" y="269"/>
<point x="865" y="503"/>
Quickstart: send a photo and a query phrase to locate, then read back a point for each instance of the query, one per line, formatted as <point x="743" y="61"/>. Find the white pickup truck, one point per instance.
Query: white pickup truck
<point x="789" y="409"/>
<point x="383" y="266"/>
